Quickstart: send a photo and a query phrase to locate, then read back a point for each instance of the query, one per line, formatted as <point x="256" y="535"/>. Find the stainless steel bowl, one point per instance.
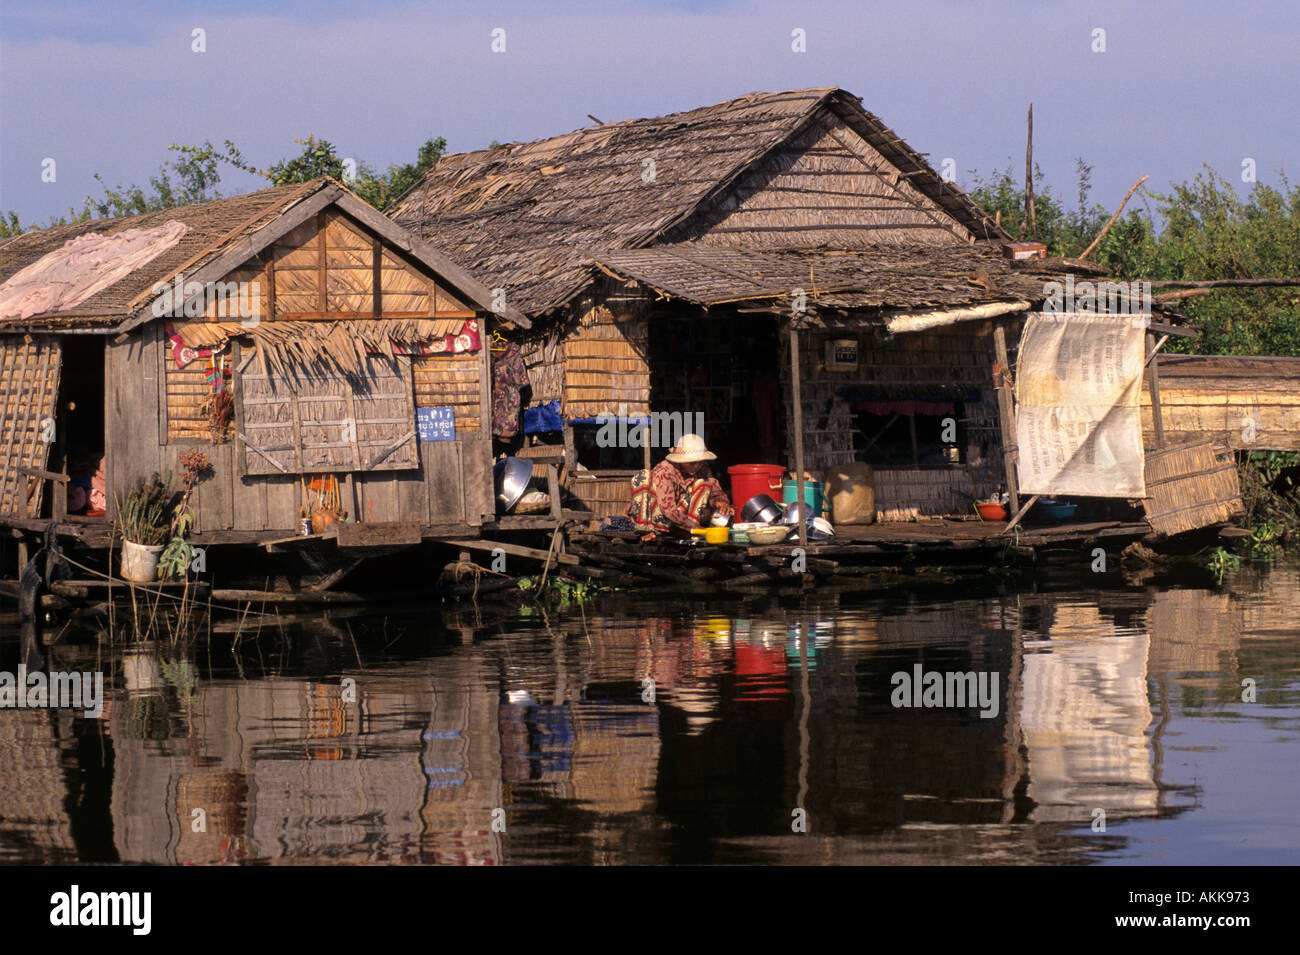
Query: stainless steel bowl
<point x="511" y="476"/>
<point x="760" y="509"/>
<point x="792" y="511"/>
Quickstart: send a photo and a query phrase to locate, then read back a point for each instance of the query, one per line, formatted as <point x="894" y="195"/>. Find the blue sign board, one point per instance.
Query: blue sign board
<point x="436" y="424"/>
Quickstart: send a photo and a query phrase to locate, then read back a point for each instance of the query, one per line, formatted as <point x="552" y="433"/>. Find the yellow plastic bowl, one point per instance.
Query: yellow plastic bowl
<point x="717" y="535"/>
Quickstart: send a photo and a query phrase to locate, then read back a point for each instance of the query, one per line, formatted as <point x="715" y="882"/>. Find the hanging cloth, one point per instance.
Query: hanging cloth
<point x="509" y="379"/>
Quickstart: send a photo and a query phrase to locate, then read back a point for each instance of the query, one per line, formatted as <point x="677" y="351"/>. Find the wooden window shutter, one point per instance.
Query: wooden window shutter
<point x="308" y="425"/>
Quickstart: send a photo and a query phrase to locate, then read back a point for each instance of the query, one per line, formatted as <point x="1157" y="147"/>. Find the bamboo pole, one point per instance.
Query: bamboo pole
<point x="798" y="432"/>
<point x="1225" y="283"/>
<point x="1157" y="416"/>
<point x="1106" y="228"/>
<point x="1006" y="415"/>
<point x="1030" y="217"/>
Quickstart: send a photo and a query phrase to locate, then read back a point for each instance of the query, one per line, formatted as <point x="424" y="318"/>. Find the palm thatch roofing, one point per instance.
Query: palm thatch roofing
<point x="217" y="236"/>
<point x="320" y="348"/>
<point x="530" y="217"/>
<point x="954" y="276"/>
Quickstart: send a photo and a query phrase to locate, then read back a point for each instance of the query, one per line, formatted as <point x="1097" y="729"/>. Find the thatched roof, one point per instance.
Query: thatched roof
<point x="209" y="225"/>
<point x="320" y="347"/>
<point x="889" y="277"/>
<point x="216" y="237"/>
<point x="528" y="216"/>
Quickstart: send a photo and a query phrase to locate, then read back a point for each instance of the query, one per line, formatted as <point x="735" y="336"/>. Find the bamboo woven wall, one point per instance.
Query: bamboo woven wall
<point x="949" y="363"/>
<point x="450" y="381"/>
<point x="310" y="425"/>
<point x="544" y="359"/>
<point x="1191" y="486"/>
<point x="606" y="495"/>
<point x="1251" y="415"/>
<point x="825" y="187"/>
<point x="30" y="367"/>
<point x="187" y="390"/>
<point x="334" y="248"/>
<point x="606" y="370"/>
<point x="905" y="494"/>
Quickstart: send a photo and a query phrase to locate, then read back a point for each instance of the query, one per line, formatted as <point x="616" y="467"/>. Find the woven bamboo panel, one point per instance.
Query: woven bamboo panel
<point x="349" y="274"/>
<point x="905" y="494"/>
<point x="605" y="494"/>
<point x="187" y="390"/>
<point x="544" y="359"/>
<point x="308" y="425"/>
<point x="1191" y="486"/>
<point x="605" y="362"/>
<point x="1233" y="416"/>
<point x="450" y="382"/>
<point x="29" y="389"/>
<point x="821" y="184"/>
<point x="250" y="281"/>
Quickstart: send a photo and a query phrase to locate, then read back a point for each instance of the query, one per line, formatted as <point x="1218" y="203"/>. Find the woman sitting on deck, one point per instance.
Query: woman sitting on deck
<point x="679" y="493"/>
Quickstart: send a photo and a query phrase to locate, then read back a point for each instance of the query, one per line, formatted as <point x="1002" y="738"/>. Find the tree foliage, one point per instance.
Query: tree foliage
<point x="196" y="173"/>
<point x="1200" y="230"/>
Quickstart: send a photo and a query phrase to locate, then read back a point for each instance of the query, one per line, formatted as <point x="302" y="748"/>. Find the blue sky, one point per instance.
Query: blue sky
<point x="107" y="87"/>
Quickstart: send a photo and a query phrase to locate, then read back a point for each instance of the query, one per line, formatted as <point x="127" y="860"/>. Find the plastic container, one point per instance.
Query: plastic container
<point x="991" y="512"/>
<point x="748" y="480"/>
<point x="852" y="490"/>
<point x="814" y="494"/>
<point x="140" y="561"/>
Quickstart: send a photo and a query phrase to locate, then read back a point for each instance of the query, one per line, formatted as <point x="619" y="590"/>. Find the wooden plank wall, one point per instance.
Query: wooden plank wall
<point x="132" y="447"/>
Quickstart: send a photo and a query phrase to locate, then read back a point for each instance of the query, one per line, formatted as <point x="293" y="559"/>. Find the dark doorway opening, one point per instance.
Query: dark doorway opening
<point x="79" y="446"/>
<point x="722" y="370"/>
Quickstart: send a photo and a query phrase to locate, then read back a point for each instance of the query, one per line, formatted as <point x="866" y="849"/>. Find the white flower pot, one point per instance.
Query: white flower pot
<point x="140" y="561"/>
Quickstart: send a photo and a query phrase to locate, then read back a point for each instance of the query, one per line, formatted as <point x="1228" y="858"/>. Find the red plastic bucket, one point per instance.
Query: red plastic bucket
<point x="750" y="479"/>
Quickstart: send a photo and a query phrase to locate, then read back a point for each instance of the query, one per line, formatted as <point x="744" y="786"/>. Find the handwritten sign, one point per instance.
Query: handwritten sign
<point x="436" y="424"/>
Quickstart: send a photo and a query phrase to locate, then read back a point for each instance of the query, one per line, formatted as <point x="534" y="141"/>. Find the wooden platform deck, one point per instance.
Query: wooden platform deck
<point x="854" y="551"/>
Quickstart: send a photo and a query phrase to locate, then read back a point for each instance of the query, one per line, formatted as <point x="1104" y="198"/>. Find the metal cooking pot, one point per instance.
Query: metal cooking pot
<point x="819" y="529"/>
<point x="760" y="509"/>
<point x="511" y="477"/>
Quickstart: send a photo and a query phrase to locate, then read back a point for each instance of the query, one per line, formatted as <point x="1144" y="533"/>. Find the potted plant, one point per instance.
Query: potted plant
<point x="146" y="527"/>
<point x="179" y="553"/>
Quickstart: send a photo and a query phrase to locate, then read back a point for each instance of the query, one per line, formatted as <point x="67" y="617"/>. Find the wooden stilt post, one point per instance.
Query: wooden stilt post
<point x="1006" y="415"/>
<point x="1157" y="416"/>
<point x="798" y="431"/>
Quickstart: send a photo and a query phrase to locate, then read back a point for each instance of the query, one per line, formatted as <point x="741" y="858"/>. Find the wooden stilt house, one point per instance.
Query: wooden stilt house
<point x="307" y="345"/>
<point x="664" y="259"/>
<point x="781" y="269"/>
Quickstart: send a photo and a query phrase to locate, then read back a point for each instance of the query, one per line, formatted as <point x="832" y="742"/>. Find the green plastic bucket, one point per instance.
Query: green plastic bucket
<point x="814" y="494"/>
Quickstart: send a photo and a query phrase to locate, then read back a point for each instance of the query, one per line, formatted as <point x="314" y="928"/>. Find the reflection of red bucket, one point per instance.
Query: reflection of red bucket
<point x="750" y="479"/>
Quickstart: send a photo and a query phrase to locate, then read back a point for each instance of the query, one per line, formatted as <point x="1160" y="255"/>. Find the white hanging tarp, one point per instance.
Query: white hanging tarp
<point x="1078" y="415"/>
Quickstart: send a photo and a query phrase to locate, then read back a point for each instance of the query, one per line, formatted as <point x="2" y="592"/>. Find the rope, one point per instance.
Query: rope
<point x="161" y="593"/>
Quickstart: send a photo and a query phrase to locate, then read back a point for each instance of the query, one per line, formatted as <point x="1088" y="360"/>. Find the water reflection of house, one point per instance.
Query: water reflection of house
<point x="1193" y="632"/>
<point x="877" y="765"/>
<point x="33" y="788"/>
<point x="596" y="742"/>
<point x="461" y="762"/>
<point x="1084" y="715"/>
<point x="284" y="770"/>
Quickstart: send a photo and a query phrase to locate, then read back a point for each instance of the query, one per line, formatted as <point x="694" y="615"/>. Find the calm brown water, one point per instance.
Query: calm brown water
<point x="666" y="730"/>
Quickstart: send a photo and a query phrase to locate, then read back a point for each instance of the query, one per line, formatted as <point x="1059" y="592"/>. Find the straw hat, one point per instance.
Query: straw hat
<point x="691" y="449"/>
